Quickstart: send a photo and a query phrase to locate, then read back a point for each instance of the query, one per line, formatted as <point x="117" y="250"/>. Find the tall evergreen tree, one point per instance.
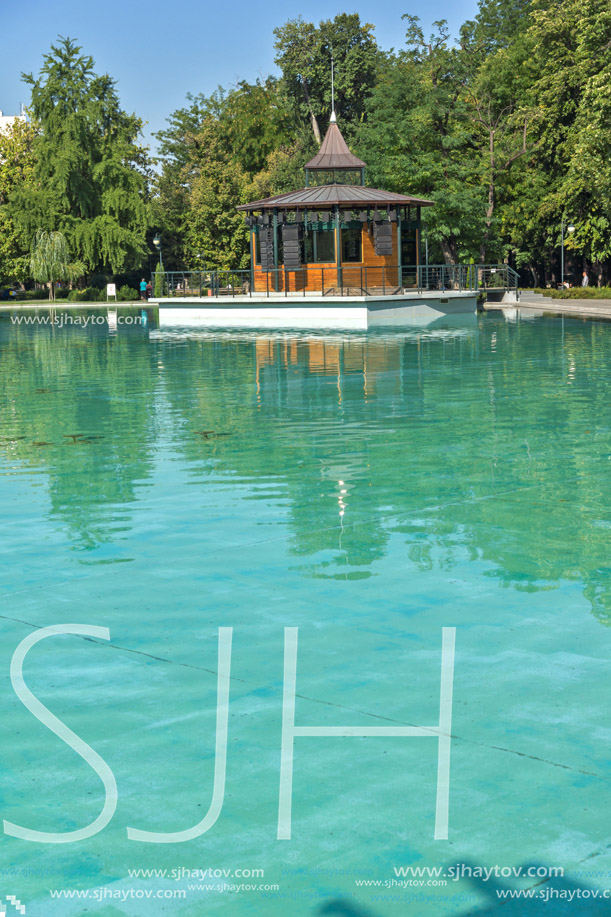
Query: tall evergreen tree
<point x="89" y="177"/>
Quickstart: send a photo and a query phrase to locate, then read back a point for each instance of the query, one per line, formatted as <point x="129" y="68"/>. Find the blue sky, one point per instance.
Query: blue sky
<point x="158" y="52"/>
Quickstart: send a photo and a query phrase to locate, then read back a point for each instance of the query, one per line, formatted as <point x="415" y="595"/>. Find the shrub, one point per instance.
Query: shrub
<point x="99" y="281"/>
<point x="578" y="293"/>
<point x="159" y="284"/>
<point x="583" y="293"/>
<point x="89" y="294"/>
<point x="127" y="294"/>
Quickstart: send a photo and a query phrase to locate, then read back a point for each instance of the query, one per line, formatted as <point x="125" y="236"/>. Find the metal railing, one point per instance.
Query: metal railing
<point x="348" y="280"/>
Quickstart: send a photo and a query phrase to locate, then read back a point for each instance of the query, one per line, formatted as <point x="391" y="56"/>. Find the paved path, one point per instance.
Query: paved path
<point x="586" y="308"/>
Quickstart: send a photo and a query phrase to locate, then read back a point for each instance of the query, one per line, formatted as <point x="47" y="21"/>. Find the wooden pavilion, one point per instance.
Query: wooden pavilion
<point x="334" y="235"/>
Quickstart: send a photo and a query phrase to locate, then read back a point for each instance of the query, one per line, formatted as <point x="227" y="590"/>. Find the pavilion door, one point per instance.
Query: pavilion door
<point x="409" y="256"/>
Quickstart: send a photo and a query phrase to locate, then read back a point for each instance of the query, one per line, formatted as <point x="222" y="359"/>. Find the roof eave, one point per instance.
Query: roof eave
<point x="321" y="163"/>
<point x="279" y="200"/>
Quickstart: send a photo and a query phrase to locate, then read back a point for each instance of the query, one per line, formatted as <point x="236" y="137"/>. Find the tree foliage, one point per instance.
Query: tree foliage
<point x="304" y="54"/>
<point x="16" y="172"/>
<point x="50" y="260"/>
<point x="88" y="177"/>
<point x="506" y="127"/>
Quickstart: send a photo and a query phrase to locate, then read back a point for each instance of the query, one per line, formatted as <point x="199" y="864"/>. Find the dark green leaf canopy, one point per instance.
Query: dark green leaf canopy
<point x="89" y="180"/>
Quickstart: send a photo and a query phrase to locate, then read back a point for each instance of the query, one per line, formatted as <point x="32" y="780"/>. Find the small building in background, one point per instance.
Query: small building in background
<point x="7" y="121"/>
<point x="335" y="231"/>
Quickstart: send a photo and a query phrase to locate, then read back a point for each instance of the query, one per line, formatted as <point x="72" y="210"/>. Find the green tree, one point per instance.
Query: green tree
<point x="159" y="282"/>
<point x="177" y="151"/>
<point x="16" y="173"/>
<point x="505" y="122"/>
<point x="218" y="184"/>
<point x="255" y="121"/>
<point x="89" y="177"/>
<point x="419" y="138"/>
<point x="573" y="46"/>
<point x="50" y="261"/>
<point x="499" y="24"/>
<point x="304" y="56"/>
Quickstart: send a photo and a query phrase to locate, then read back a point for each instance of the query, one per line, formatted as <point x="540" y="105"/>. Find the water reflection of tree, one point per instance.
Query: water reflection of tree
<point x="76" y="405"/>
<point x="334" y="420"/>
<point x="464" y="443"/>
<point x="492" y="445"/>
<point x="549" y="437"/>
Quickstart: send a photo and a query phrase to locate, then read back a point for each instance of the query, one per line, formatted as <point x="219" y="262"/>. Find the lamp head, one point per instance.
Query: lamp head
<point x="157" y="241"/>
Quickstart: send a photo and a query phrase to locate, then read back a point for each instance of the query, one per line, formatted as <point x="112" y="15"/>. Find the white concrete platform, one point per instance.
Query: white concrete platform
<point x="313" y="311"/>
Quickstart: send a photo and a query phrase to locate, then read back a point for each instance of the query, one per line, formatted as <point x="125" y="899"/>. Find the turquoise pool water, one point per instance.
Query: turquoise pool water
<point x="368" y="490"/>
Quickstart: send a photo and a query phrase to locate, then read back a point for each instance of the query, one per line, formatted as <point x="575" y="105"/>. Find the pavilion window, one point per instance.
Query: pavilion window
<point x="324" y="246"/>
<point x="352" y="250"/>
<point x="409" y="255"/>
<point x="308" y="248"/>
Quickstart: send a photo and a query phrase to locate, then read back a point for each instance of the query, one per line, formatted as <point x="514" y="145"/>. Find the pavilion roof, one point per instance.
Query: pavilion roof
<point x="334" y="152"/>
<point x="343" y="195"/>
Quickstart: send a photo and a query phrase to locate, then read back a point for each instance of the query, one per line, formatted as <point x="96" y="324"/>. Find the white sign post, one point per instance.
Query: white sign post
<point x="111" y="290"/>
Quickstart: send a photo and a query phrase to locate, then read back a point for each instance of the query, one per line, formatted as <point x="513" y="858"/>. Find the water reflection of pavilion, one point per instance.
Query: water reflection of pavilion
<point x="341" y="357"/>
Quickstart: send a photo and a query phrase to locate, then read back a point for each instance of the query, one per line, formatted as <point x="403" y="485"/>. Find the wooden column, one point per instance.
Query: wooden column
<point x="252" y="258"/>
<point x="276" y="249"/>
<point x="338" y="246"/>
<point x="399" y="252"/>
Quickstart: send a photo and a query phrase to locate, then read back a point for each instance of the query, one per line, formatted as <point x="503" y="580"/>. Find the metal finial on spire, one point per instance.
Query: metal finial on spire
<point x="332" y="119"/>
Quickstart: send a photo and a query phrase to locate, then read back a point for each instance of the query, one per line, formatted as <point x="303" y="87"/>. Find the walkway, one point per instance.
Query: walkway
<point x="585" y="308"/>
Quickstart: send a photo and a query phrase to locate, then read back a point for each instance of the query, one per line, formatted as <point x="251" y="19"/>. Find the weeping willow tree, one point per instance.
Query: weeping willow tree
<point x="90" y="173"/>
<point x="50" y="262"/>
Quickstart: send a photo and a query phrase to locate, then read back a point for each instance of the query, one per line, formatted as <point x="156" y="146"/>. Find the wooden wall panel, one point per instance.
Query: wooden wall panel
<point x="310" y="278"/>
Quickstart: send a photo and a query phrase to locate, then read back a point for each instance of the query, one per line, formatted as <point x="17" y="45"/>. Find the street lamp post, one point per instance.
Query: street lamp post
<point x="159" y="278"/>
<point x="569" y="229"/>
<point x="157" y="244"/>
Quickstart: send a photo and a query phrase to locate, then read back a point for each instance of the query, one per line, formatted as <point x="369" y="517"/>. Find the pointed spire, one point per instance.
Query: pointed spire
<point x="334" y="152"/>
<point x="332" y="119"/>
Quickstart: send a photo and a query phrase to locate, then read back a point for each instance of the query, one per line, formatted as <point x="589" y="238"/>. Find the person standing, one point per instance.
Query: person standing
<point x="585" y="280"/>
<point x="143" y="289"/>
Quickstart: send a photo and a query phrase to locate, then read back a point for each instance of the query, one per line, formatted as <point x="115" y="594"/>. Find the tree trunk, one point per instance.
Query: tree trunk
<point x="313" y="118"/>
<point x="315" y="127"/>
<point x="490" y="209"/>
<point x="533" y="271"/>
<point x="449" y="250"/>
